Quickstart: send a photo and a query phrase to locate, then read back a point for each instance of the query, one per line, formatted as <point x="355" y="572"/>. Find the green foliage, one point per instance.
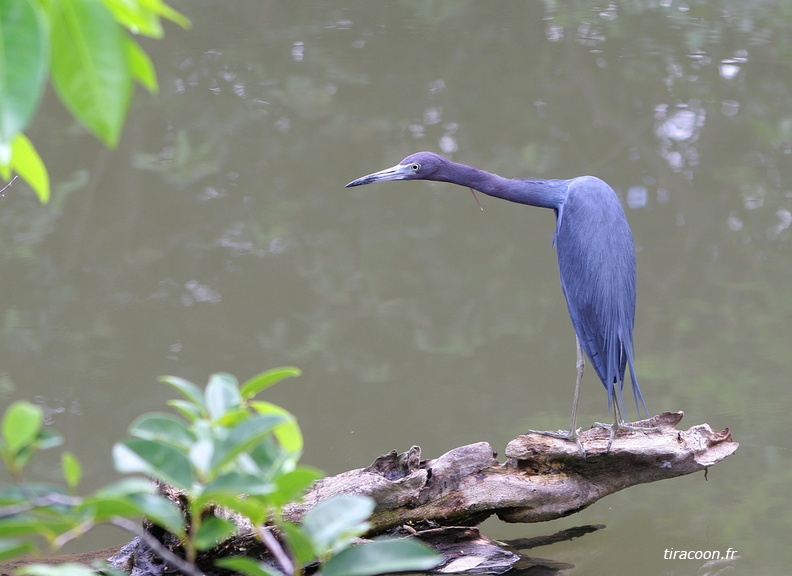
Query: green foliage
<point x="24" y="47"/>
<point x="222" y="449"/>
<point x="13" y="548"/>
<point x="66" y="569"/>
<point x="380" y="556"/>
<point x="94" y="62"/>
<point x="21" y="425"/>
<point x="330" y="524"/>
<point x="23" y="434"/>
<point x="72" y="470"/>
<point x="326" y="535"/>
<point x="91" y="74"/>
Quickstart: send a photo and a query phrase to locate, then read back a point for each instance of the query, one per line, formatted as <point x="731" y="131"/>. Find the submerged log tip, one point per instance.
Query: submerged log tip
<point x="707" y="445"/>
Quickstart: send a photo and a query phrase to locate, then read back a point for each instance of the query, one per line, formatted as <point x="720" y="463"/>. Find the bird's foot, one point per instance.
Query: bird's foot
<point x="616" y="426"/>
<point x="571" y="435"/>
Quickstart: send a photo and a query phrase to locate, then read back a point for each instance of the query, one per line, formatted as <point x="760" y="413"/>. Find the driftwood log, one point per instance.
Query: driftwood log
<point x="542" y="478"/>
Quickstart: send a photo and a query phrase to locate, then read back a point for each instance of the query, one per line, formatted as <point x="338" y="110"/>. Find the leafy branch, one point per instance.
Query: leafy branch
<point x="222" y="448"/>
<point x="87" y="48"/>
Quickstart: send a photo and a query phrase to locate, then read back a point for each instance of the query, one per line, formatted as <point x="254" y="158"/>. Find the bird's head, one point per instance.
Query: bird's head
<point x="419" y="166"/>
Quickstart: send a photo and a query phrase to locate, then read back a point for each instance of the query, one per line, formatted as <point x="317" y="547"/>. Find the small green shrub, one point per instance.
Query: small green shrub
<point x="222" y="447"/>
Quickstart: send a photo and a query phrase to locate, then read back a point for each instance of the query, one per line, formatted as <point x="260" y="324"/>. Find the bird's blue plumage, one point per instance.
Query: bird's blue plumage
<point x="596" y="256"/>
<point x="596" y="263"/>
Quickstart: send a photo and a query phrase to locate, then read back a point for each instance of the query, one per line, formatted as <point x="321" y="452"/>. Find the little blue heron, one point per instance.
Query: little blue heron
<point x="596" y="262"/>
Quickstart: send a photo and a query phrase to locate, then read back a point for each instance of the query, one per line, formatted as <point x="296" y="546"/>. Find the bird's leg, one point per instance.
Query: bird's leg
<point x="617" y="422"/>
<point x="572" y="433"/>
<point x="580" y="364"/>
<point x="620" y="424"/>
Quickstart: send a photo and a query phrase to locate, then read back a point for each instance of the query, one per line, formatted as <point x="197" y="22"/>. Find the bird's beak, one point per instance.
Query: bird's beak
<point x="398" y="172"/>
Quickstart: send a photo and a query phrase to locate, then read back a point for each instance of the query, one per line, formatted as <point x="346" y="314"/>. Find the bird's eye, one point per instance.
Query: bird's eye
<point x="415" y="167"/>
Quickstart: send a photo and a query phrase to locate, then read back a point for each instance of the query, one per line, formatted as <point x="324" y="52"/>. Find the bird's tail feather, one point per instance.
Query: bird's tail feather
<point x="639" y="399"/>
<point x="616" y="391"/>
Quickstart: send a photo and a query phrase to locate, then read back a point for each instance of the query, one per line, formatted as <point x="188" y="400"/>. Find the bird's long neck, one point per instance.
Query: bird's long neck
<point x="542" y="193"/>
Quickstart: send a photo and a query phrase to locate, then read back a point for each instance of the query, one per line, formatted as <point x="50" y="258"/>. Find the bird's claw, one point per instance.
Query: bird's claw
<point x="570" y="435"/>
<point x="616" y="426"/>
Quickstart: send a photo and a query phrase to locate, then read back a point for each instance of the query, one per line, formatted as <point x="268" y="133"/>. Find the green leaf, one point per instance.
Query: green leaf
<point x="28" y="164"/>
<point x="186" y="388"/>
<point x="164" y="428"/>
<point x="332" y="523"/>
<point x="222" y="395"/>
<point x="90" y="67"/>
<point x="213" y="531"/>
<point x="381" y="557"/>
<point x="160" y="511"/>
<point x="299" y="543"/>
<point x="22" y="526"/>
<point x="246" y="565"/>
<point x="236" y="483"/>
<point x="125" y="487"/>
<point x="244" y="504"/>
<point x="134" y="16"/>
<point x="66" y="569"/>
<point x="45" y="439"/>
<point x="135" y="497"/>
<point x="271" y="459"/>
<point x="288" y="434"/>
<point x="159" y="7"/>
<point x="153" y="507"/>
<point x="24" y="55"/>
<point x="143" y="16"/>
<point x="187" y="409"/>
<point x="72" y="470"/>
<point x="154" y="459"/>
<point x="140" y="66"/>
<point x="200" y="455"/>
<point x="292" y="485"/>
<point x="266" y="379"/>
<point x="48" y="439"/>
<point x="244" y="437"/>
<point x="21" y="425"/>
<point x="13" y="548"/>
<point x="233" y="417"/>
<point x="103" y="567"/>
<point x="103" y="509"/>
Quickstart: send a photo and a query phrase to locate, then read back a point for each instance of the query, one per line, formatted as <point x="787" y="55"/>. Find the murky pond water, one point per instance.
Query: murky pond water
<point x="219" y="236"/>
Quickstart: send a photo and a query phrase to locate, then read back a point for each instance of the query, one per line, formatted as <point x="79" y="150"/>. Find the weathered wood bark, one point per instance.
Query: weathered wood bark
<point x="542" y="478"/>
